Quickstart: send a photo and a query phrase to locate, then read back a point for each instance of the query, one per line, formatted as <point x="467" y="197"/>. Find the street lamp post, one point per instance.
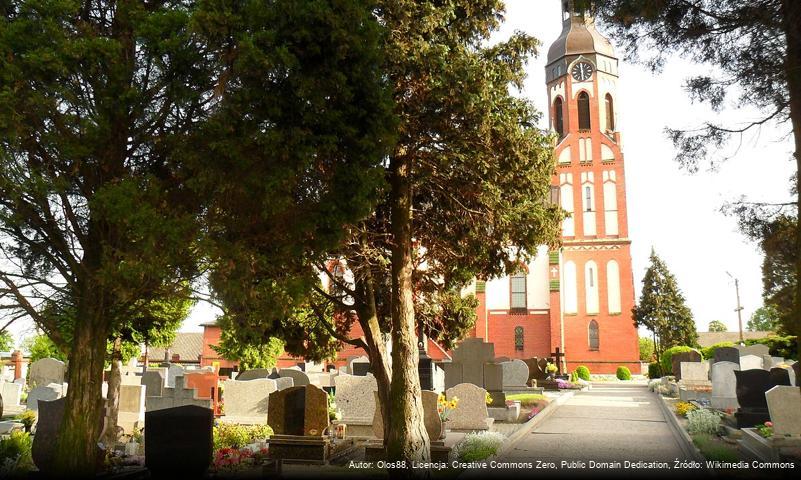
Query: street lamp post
<point x="739" y="308"/>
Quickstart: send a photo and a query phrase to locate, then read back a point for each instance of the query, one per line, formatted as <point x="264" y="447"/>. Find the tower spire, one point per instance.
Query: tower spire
<point x="577" y="10"/>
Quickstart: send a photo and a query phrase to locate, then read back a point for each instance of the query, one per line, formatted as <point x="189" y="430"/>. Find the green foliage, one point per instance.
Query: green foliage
<point x="765" y="429"/>
<point x="709" y="352"/>
<point x="764" y="319"/>
<point x="6" y="341"/>
<point x="448" y="315"/>
<point x="529" y="399"/>
<point x="477" y="446"/>
<point x="27" y="418"/>
<point x="713" y="449"/>
<point x="654" y="370"/>
<point x="703" y="421"/>
<point x="41" y="347"/>
<point x="623" y="373"/>
<point x="666" y="361"/>
<point x="248" y="352"/>
<point x="786" y="347"/>
<point x="231" y="435"/>
<point x="662" y="308"/>
<point x="717" y="326"/>
<point x="15" y="454"/>
<point x="583" y="372"/>
<point x="646" y="349"/>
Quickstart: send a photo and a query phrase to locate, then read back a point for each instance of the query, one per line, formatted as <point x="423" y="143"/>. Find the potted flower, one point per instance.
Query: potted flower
<point x="27" y="419"/>
<point x="132" y="447"/>
<point x="444" y="408"/>
<point x="551" y="369"/>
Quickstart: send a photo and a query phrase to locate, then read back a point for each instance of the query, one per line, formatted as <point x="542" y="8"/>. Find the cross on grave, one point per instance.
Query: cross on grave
<point x="557" y="355"/>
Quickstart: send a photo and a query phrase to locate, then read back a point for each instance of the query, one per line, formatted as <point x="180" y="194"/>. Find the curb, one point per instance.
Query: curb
<point x="534" y="422"/>
<point x="685" y="442"/>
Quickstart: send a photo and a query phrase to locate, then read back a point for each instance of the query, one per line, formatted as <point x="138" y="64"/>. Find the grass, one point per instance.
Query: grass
<point x="713" y="449"/>
<point x="528" y="399"/>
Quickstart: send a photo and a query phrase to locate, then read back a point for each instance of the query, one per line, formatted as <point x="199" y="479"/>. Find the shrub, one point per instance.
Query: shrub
<point x="528" y="400"/>
<point x="703" y="421"/>
<point x="654" y="371"/>
<point x="583" y="372"/>
<point x="478" y="446"/>
<point x="786" y="347"/>
<point x="666" y="361"/>
<point x="713" y="450"/>
<point x="27" y="418"/>
<point x="709" y="352"/>
<point x="683" y="408"/>
<point x="15" y="454"/>
<point x="623" y="373"/>
<point x="231" y="435"/>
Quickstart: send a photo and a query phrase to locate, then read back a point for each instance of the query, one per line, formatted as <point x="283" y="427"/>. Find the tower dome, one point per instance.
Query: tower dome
<point x="579" y="35"/>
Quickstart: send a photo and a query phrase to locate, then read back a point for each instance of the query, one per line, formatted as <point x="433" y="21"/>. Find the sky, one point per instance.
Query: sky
<point x="670" y="210"/>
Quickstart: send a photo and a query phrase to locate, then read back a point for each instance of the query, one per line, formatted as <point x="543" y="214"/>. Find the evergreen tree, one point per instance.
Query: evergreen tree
<point x="115" y="117"/>
<point x="662" y="309"/>
<point x="468" y="178"/>
<point x="6" y="341"/>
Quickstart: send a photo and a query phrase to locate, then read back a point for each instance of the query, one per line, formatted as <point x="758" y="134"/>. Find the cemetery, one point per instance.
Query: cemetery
<point x="738" y="403"/>
<point x="272" y="420"/>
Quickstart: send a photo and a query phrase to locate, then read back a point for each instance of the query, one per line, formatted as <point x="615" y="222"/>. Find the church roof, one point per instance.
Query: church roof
<point x="579" y="36"/>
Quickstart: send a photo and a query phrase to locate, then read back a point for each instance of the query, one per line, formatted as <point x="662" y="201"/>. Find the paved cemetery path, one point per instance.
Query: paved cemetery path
<point x="611" y="423"/>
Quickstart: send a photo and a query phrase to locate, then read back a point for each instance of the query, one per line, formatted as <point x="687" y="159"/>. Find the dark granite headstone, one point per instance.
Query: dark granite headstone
<point x="536" y="369"/>
<point x="727" y="354"/>
<point x="425" y="370"/>
<point x="751" y="388"/>
<point x="691" y="356"/>
<point x="797" y="370"/>
<point x="780" y="376"/>
<point x="299" y="411"/>
<point x="360" y="368"/>
<point x="179" y="441"/>
<point x="48" y="426"/>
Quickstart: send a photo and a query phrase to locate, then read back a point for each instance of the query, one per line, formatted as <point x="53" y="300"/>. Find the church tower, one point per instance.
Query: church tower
<point x="591" y="279"/>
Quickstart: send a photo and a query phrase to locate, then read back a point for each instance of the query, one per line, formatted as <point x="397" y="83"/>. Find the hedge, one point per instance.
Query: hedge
<point x="666" y="362"/>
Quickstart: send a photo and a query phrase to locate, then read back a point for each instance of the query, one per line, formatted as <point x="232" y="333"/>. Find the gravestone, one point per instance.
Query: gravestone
<point x="46" y="371"/>
<point x="48" y="429"/>
<point x="177" y="396"/>
<point x="247" y="402"/>
<point x="750" y="362"/>
<point x="131" y="415"/>
<point x="797" y="371"/>
<point x="355" y="398"/>
<point x="283" y="383"/>
<point x="757" y="350"/>
<point x="469" y="360"/>
<point x="751" y="388"/>
<point x="254" y="374"/>
<point x="515" y="375"/>
<point x="50" y="392"/>
<point x="153" y="383"/>
<point x="174" y="371"/>
<point x="204" y="382"/>
<point x="780" y="376"/>
<point x="359" y="366"/>
<point x="677" y="359"/>
<point x="299" y="418"/>
<point x="179" y="441"/>
<point x="502" y="359"/>
<point x="724" y="385"/>
<point x="784" y="404"/>
<point x="536" y="370"/>
<point x="471" y="412"/>
<point x="299" y="378"/>
<point x="727" y="354"/>
<point x="767" y="362"/>
<point x="11" y="393"/>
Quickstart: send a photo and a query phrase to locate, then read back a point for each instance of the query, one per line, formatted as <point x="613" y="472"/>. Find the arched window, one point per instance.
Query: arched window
<point x="519" y="338"/>
<point x="613" y="286"/>
<point x="610" y="114"/>
<point x="558" y="117"/>
<point x="518" y="291"/>
<point x="588" y="198"/>
<point x="594" y="335"/>
<point x="584" y="111"/>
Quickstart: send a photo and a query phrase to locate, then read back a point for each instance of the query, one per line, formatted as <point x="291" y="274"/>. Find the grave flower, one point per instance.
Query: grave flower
<point x="445" y="407"/>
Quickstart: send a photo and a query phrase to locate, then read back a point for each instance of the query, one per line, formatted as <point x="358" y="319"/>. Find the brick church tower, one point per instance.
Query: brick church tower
<point x="594" y="270"/>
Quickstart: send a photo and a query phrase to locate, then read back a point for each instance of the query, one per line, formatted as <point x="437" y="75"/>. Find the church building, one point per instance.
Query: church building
<point x="577" y="299"/>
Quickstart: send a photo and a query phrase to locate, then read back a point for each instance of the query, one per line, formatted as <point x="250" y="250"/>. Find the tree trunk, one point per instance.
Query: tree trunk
<point x="76" y="453"/>
<point x="113" y="400"/>
<point x="377" y="350"/>
<point x="407" y="439"/>
<point x="791" y="10"/>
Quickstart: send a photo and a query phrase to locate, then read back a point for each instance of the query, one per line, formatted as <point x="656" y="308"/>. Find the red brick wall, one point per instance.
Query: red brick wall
<point x="536" y="334"/>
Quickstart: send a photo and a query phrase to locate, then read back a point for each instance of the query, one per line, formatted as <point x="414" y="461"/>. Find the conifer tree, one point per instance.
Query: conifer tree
<point x="662" y="308"/>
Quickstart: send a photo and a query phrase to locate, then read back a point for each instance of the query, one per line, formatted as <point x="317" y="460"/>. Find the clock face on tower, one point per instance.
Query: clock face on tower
<point x="582" y="71"/>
